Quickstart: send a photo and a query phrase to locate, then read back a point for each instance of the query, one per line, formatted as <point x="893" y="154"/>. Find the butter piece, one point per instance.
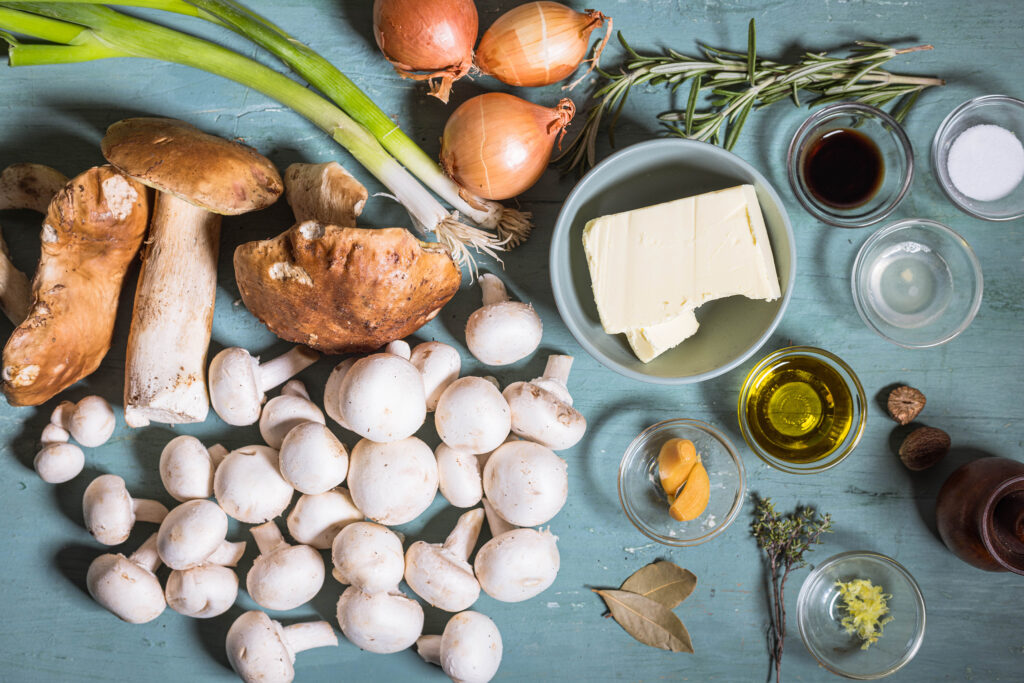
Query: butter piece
<point x="650" y="342"/>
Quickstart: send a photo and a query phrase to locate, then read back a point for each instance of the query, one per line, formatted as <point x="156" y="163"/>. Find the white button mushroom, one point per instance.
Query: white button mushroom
<point x="283" y="576"/>
<point x="542" y="409"/>
<point x="469" y="651"/>
<point x="517" y="565"/>
<point x="369" y="557"/>
<point x="381" y="398"/>
<point x="191" y="533"/>
<point x="472" y="415"/>
<point x="441" y="574"/>
<point x="187" y="466"/>
<point x="458" y="475"/>
<point x="90" y="422"/>
<point x="110" y="513"/>
<point x="261" y="650"/>
<point x="284" y="413"/>
<point x="208" y="590"/>
<point x="312" y="459"/>
<point x="239" y="382"/>
<point x="526" y="483"/>
<point x="249" y="486"/>
<point x="439" y="364"/>
<point x="317" y="518"/>
<point x="502" y="331"/>
<point x="127" y="586"/>
<point x="382" y="622"/>
<point x="392" y="483"/>
<point x="59" y="462"/>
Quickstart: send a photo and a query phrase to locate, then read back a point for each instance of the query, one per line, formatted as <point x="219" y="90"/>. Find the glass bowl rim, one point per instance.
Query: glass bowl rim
<point x="809" y="124"/>
<point x="714" y="433"/>
<point x="972" y="258"/>
<point x="801" y="610"/>
<point x="835" y="457"/>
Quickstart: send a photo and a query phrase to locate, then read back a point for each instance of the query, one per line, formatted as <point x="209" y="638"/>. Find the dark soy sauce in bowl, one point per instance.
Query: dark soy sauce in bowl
<point x="843" y="168"/>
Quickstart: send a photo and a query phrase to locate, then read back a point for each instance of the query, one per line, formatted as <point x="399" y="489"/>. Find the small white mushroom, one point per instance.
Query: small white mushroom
<point x="381" y="398"/>
<point x="369" y="557"/>
<point x="400" y="348"/>
<point x="192" y="532"/>
<point x="472" y="415"/>
<point x="392" y="483"/>
<point x="469" y="650"/>
<point x="331" y="390"/>
<point x="110" y="513"/>
<point x="59" y="462"/>
<point x="458" y="475"/>
<point x="249" y="486"/>
<point x="127" y="586"/>
<point x="502" y="331"/>
<point x="441" y="573"/>
<point x="90" y="422"/>
<point x="517" y="565"/>
<point x="285" y="412"/>
<point x="439" y="364"/>
<point x="526" y="483"/>
<point x="262" y="651"/>
<point x="187" y="467"/>
<point x="312" y="459"/>
<point x="542" y="409"/>
<point x="202" y="592"/>
<point x="239" y="382"/>
<point x="382" y="622"/>
<point x="54" y="431"/>
<point x="283" y="576"/>
<point x="317" y="518"/>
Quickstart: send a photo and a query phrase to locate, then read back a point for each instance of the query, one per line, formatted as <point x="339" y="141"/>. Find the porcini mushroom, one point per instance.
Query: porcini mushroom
<point x="208" y="590"/>
<point x="260" y="650"/>
<point x="187" y="467"/>
<point x="92" y="231"/>
<point x="381" y="398"/>
<point x="526" y="483"/>
<point x="127" y="586"/>
<point x="192" y="532"/>
<point x="249" y="486"/>
<point x="110" y="513"/>
<point x="458" y="476"/>
<point x="317" y="519"/>
<point x="501" y="331"/>
<point x="441" y="573"/>
<point x="392" y="483"/>
<point x="283" y="576"/>
<point x="284" y="413"/>
<point x="380" y="622"/>
<point x="198" y="178"/>
<point x="517" y="565"/>
<point x="239" y="382"/>
<point x="58" y="462"/>
<point x="312" y="459"/>
<point x="368" y="556"/>
<point x="542" y="409"/>
<point x="469" y="650"/>
<point x="15" y="288"/>
<point x="472" y="416"/>
<point x="325" y="193"/>
<point x="439" y="364"/>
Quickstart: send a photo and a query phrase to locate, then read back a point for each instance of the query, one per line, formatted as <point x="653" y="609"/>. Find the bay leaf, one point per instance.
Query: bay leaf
<point x="648" y="621"/>
<point x="663" y="581"/>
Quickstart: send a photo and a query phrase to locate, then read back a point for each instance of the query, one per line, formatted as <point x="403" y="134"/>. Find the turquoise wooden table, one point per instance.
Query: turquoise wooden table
<point x="52" y="631"/>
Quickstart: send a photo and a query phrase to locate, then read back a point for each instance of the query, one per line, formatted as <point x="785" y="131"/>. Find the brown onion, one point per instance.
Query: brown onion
<point x="539" y="43"/>
<point x="497" y="145"/>
<point x="432" y="36"/>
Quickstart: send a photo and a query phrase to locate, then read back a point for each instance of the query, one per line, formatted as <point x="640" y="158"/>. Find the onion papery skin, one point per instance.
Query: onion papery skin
<point x="427" y="39"/>
<point x="536" y="44"/>
<point x="497" y="145"/>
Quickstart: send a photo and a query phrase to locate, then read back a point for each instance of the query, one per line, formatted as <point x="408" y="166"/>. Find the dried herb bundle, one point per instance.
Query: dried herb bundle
<point x="643" y="605"/>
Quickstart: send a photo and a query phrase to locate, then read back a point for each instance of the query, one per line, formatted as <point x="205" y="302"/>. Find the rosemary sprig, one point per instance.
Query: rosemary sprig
<point x="741" y="82"/>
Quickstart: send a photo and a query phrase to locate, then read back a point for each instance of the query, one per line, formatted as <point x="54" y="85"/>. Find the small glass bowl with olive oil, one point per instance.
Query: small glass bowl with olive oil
<point x="802" y="410"/>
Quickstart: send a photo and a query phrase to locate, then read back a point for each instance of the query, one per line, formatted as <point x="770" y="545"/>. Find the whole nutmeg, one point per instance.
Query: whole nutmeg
<point x="924" y="447"/>
<point x="905" y="403"/>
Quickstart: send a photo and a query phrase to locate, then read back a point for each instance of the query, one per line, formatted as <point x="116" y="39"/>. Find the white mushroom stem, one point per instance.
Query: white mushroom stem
<point x="494" y="291"/>
<point x="227" y="554"/>
<point x="309" y="635"/>
<point x="217" y="453"/>
<point x="268" y="537"/>
<point x="29" y="186"/>
<point x="295" y="387"/>
<point x="15" y="288"/>
<point x="462" y="539"/>
<point x="556" y="377"/>
<point x="429" y="648"/>
<point x="152" y="511"/>
<point x="147" y="556"/>
<point x="277" y="371"/>
<point x="495" y="522"/>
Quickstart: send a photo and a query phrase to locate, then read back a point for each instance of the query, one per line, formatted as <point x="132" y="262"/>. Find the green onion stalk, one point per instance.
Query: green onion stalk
<point x="80" y="32"/>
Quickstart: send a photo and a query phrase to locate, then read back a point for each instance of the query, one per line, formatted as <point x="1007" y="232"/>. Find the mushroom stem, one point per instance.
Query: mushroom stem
<point x="268" y="537"/>
<point x="493" y="289"/>
<point x="309" y="635"/>
<point x="462" y="539"/>
<point x="217" y="453"/>
<point x="227" y="554"/>
<point x="15" y="289"/>
<point x="497" y="524"/>
<point x="295" y="387"/>
<point x="151" y="511"/>
<point x="557" y="368"/>
<point x="29" y="186"/>
<point x="278" y="370"/>
<point x="147" y="556"/>
<point x="429" y="648"/>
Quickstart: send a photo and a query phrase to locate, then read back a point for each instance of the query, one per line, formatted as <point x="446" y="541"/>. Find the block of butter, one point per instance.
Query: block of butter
<point x="652" y="267"/>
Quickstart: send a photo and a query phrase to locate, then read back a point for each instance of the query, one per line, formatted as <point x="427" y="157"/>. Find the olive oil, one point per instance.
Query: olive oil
<point x="799" y="409"/>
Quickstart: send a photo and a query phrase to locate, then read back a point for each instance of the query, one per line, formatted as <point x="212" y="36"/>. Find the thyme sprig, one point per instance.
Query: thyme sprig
<point x="784" y="540"/>
<point x="741" y="82"/>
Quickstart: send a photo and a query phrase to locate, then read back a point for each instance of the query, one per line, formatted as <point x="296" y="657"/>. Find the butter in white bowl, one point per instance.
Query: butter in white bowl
<point x="651" y="268"/>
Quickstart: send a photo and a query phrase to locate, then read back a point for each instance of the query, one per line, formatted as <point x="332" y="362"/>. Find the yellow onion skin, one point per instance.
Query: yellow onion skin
<point x="427" y="39"/>
<point x="535" y="44"/>
<point x="497" y="145"/>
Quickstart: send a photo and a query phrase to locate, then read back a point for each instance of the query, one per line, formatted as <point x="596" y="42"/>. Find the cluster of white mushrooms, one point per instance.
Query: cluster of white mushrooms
<point x="497" y="449"/>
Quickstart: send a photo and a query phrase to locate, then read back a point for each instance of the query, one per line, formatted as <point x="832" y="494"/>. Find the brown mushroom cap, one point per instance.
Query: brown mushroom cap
<point x="339" y="290"/>
<point x="221" y="176"/>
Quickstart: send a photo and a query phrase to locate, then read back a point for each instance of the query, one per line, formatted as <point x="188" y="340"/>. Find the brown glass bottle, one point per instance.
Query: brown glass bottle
<point x="843" y="168"/>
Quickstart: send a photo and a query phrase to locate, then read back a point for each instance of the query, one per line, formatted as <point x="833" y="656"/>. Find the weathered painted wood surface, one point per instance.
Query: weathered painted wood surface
<point x="52" y="631"/>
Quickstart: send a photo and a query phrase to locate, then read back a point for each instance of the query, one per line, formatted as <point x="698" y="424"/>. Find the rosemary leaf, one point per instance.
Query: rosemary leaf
<point x="751" y="54"/>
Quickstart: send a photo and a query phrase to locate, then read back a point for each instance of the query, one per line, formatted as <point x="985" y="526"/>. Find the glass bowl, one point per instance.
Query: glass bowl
<point x="892" y="143"/>
<point x="644" y="501"/>
<point x="819" y="614"/>
<point x="916" y="283"/>
<point x="1000" y="110"/>
<point x="789" y="360"/>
